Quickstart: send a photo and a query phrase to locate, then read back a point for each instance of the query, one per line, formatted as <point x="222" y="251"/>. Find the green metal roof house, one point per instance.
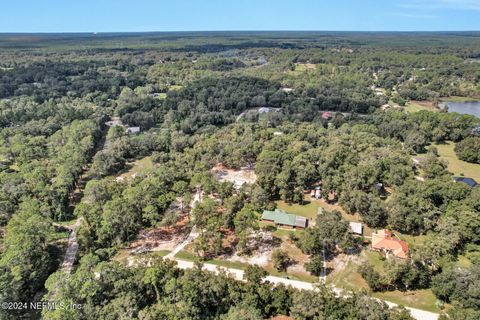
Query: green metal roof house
<point x="285" y="219"/>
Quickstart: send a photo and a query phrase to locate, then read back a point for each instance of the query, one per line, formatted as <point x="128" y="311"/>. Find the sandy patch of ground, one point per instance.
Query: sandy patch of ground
<point x="263" y="243"/>
<point x="237" y="177"/>
<point x="161" y="238"/>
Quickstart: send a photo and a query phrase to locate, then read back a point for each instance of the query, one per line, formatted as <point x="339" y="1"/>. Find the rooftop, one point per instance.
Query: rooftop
<point x="356" y="227"/>
<point x="284" y="218"/>
<point x="468" y="181"/>
<point x="384" y="240"/>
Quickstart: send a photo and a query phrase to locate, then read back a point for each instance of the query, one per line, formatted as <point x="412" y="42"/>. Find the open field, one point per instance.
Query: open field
<point x="455" y="165"/>
<point x="415" y="106"/>
<point x="136" y="167"/>
<point x="421" y="299"/>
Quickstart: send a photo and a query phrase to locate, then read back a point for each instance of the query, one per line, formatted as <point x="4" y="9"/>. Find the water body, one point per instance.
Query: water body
<point x="467" y="107"/>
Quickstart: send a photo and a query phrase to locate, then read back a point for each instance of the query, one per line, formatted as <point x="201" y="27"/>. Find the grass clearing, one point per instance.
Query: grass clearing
<point x="456" y="166"/>
<point x="416" y="106"/>
<point x="349" y="279"/>
<point x="137" y="166"/>
<point x="420" y="299"/>
<point x="308" y="210"/>
<point x="459" y="99"/>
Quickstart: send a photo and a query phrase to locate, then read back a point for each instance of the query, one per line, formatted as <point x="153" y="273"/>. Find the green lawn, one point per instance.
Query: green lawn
<point x="458" y="99"/>
<point x="420" y="299"/>
<point x="455" y="165"/>
<point x="309" y="210"/>
<point x="138" y="166"/>
<point x="350" y="279"/>
<point x="412" y="107"/>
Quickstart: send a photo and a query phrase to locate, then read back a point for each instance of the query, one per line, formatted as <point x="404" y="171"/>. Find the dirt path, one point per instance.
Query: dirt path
<point x="72" y="248"/>
<point x="193" y="233"/>
<point x="75" y="198"/>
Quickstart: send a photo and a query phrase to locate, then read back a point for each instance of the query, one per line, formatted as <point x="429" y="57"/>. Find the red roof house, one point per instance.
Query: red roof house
<point x="383" y="240"/>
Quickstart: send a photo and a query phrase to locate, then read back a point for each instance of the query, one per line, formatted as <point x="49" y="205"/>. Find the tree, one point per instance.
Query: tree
<point x="329" y="232"/>
<point x="245" y="223"/>
<point x="281" y="260"/>
<point x="25" y="260"/>
<point x="254" y="274"/>
<point x="468" y="149"/>
<point x="315" y="265"/>
<point x="242" y="313"/>
<point x="375" y="281"/>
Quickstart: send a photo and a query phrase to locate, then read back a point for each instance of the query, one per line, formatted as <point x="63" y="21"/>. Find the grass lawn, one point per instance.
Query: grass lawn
<point x="455" y="165"/>
<point x="138" y="166"/>
<point x="350" y="279"/>
<point x="458" y="99"/>
<point x="420" y="299"/>
<point x="413" y="106"/>
<point x="310" y="210"/>
<point x="412" y="241"/>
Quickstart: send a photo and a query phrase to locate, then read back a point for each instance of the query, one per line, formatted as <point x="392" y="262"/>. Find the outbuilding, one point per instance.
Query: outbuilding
<point x="468" y="181"/>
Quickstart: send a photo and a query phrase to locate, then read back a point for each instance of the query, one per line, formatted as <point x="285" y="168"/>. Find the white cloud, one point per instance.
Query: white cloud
<point x="472" y="5"/>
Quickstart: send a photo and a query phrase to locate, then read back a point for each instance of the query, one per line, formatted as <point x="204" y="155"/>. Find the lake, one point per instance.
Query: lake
<point x="468" y="107"/>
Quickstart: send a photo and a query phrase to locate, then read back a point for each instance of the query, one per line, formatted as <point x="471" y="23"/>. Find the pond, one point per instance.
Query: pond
<point x="467" y="107"/>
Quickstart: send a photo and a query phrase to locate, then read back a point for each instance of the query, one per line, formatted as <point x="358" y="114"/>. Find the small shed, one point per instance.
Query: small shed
<point x="356" y="227"/>
<point x="133" y="130"/>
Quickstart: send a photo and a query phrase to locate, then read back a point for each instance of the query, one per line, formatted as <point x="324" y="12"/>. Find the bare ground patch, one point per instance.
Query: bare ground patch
<point x="237" y="177"/>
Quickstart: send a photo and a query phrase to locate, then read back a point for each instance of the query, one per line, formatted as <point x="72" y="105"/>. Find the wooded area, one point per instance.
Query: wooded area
<point x="302" y="110"/>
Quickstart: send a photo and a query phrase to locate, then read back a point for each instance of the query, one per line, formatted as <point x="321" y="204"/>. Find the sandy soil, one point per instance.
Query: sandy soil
<point x="161" y="238"/>
<point x="237" y="177"/>
<point x="263" y="244"/>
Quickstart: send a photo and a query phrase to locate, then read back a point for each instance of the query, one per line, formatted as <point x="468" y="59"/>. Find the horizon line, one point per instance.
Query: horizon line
<point x="226" y="31"/>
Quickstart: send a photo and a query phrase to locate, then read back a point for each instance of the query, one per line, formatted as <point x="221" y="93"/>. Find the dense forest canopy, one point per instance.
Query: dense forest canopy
<point x="301" y="109"/>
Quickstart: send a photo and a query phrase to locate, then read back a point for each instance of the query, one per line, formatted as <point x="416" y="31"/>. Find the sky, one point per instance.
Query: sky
<point x="213" y="15"/>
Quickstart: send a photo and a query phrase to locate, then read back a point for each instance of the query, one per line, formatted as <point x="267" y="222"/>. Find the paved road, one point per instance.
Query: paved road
<point x="238" y="275"/>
